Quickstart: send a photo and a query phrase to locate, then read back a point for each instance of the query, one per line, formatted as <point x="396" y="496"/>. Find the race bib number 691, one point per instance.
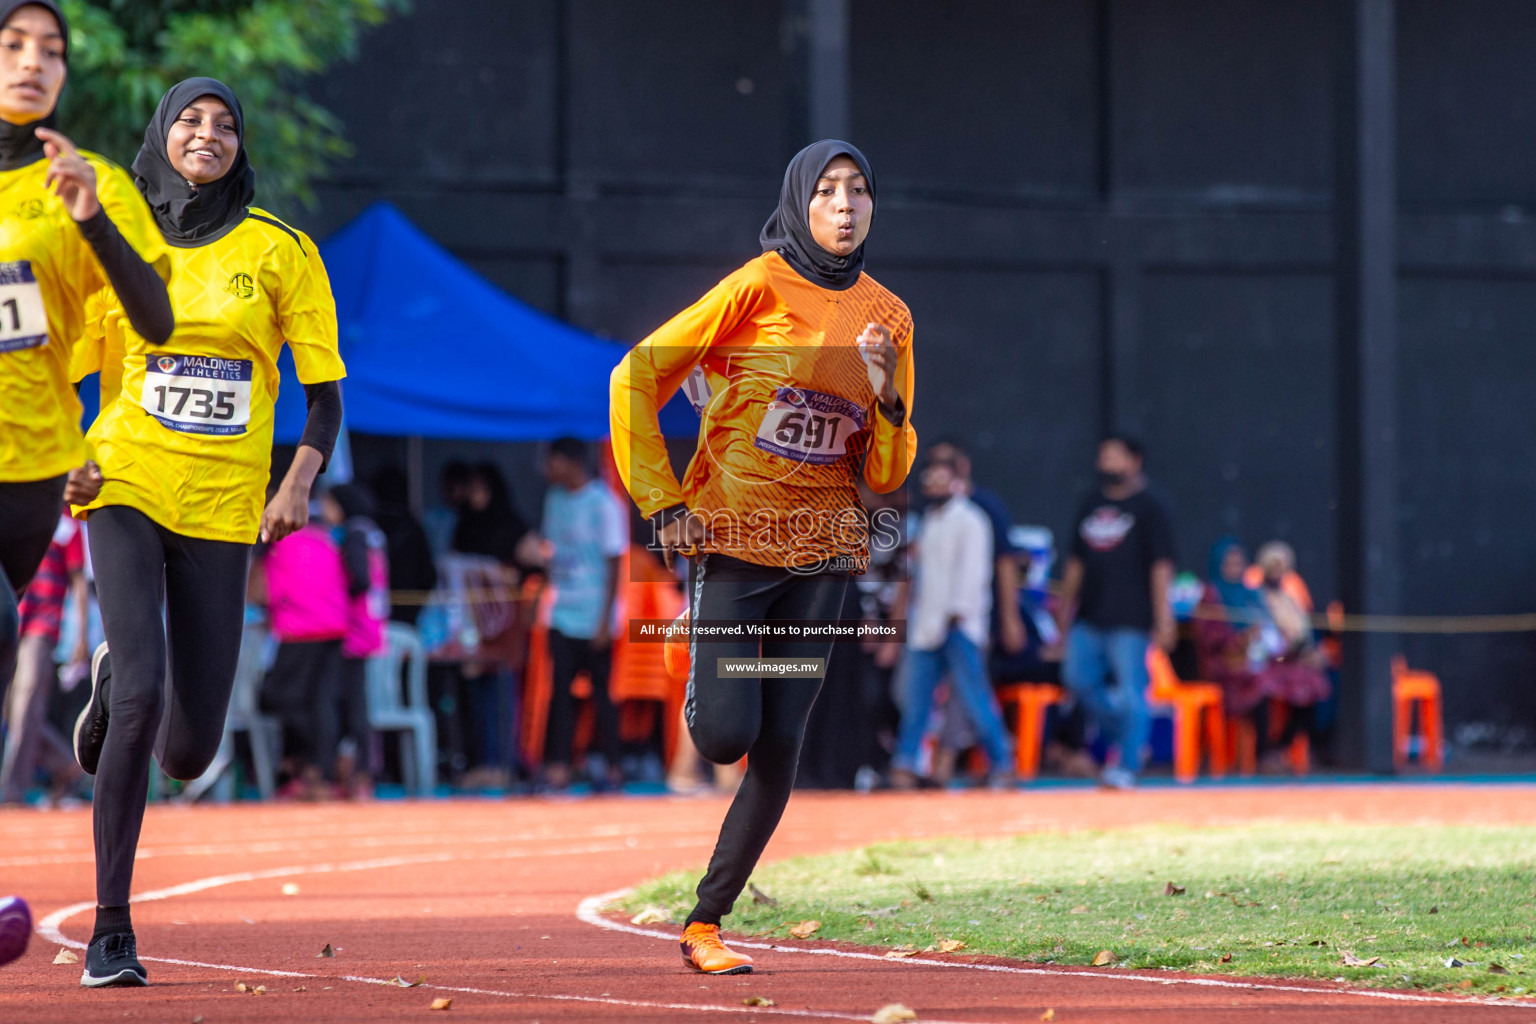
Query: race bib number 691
<point x="198" y="394"/>
<point x="23" y="321"/>
<point x="808" y="426"/>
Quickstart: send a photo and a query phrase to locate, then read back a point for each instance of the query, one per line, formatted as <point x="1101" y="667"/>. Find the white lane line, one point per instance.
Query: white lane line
<point x="589" y="911"/>
<point x="362" y="842"/>
<point x="49" y="928"/>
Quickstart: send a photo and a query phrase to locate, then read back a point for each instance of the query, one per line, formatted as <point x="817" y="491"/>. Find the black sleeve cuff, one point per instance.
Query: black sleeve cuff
<point x="668" y="516"/>
<point x="896" y="415"/>
<point x="323" y="423"/>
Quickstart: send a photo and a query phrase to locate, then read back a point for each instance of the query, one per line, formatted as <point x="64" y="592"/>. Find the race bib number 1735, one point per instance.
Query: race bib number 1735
<point x="198" y="394"/>
<point x="23" y="321"/>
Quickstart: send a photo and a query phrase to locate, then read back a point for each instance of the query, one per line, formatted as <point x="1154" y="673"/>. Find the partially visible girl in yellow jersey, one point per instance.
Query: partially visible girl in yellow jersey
<point x="185" y="446"/>
<point x="70" y="224"/>
<point x="806" y="366"/>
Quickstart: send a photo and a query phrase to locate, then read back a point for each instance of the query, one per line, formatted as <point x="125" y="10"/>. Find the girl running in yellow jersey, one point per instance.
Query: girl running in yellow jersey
<point x="806" y="366"/>
<point x="70" y="224"/>
<point x="185" y="446"/>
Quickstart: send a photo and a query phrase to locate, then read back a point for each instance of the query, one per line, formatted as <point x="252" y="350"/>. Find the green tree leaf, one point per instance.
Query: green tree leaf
<point x="124" y="54"/>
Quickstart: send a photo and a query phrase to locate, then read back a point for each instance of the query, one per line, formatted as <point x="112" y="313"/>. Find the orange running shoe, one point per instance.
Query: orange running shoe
<point x="705" y="953"/>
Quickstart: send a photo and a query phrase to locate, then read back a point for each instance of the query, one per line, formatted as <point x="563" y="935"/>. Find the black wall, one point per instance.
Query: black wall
<point x="1100" y="212"/>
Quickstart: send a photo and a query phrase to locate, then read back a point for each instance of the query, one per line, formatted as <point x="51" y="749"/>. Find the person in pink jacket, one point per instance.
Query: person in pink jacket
<point x="308" y="611"/>
<point x="365" y="559"/>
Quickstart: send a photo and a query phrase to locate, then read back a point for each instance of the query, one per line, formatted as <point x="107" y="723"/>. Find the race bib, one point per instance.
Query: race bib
<point x="23" y="321"/>
<point x="198" y="394"/>
<point x="808" y="426"/>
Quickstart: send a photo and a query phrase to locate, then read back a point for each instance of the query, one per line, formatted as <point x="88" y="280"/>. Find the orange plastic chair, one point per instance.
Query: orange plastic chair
<point x="1031" y="700"/>
<point x="1193" y="703"/>
<point x="1242" y="743"/>
<point x="1412" y="689"/>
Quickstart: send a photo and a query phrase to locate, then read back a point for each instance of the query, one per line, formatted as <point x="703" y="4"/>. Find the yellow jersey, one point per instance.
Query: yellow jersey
<point x="790" y="421"/>
<point x="185" y="432"/>
<point x="47" y="272"/>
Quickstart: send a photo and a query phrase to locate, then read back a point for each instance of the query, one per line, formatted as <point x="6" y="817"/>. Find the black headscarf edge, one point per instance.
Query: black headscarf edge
<point x="788" y="229"/>
<point x="191" y="217"/>
<point x="19" y="144"/>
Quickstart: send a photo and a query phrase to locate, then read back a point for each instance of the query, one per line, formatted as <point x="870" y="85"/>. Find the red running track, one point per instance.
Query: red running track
<point x="482" y="898"/>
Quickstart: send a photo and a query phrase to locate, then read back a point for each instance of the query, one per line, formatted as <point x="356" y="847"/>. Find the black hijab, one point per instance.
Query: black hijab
<point x="191" y="215"/>
<point x="19" y="144"/>
<point x="788" y="230"/>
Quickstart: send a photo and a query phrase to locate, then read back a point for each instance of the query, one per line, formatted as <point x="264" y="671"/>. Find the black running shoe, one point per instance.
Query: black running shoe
<point x="91" y="726"/>
<point x="113" y="960"/>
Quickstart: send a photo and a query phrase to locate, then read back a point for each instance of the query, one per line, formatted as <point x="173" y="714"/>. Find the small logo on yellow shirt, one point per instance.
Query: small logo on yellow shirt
<point x="29" y="209"/>
<point x="241" y="286"/>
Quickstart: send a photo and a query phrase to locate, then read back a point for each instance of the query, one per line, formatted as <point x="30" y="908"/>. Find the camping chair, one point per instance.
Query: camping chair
<point x="387" y="713"/>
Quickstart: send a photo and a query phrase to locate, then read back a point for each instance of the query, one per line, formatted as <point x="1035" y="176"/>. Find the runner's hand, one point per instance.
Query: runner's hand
<point x="287" y="513"/>
<point x="84" y="484"/>
<point x="879" y="353"/>
<point x="70" y="176"/>
<point x="686" y="533"/>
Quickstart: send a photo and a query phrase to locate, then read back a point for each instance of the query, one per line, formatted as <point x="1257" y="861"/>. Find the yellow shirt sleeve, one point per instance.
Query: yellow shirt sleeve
<point x="306" y="312"/>
<point x="89" y="351"/>
<point x="893" y="449"/>
<point x="123" y="203"/>
<point x="653" y="370"/>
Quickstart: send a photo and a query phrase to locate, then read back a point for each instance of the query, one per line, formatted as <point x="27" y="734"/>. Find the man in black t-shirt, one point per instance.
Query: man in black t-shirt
<point x="1114" y="601"/>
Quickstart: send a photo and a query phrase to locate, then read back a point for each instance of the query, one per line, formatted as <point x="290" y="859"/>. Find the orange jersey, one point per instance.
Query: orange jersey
<point x="790" y="421"/>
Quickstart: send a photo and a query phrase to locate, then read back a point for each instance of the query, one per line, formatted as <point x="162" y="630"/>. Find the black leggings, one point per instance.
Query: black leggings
<point x="569" y="655"/>
<point x="732" y="716"/>
<point x="29" y="514"/>
<point x="141" y="565"/>
<point x="303" y="691"/>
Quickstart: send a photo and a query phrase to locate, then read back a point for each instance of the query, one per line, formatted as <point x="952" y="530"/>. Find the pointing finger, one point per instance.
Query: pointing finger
<point x="56" y="138"/>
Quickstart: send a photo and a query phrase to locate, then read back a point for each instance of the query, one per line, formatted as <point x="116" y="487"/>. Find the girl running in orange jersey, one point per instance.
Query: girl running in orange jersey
<point x="803" y="366"/>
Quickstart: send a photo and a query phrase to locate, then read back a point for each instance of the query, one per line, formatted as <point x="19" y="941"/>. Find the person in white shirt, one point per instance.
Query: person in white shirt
<point x="947" y="623"/>
<point x="588" y="532"/>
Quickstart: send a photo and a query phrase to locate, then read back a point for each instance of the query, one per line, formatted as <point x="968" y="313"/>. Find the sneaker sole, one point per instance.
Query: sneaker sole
<point x="123" y="979"/>
<point x="743" y="969"/>
<point x="15" y="928"/>
<point x="85" y="712"/>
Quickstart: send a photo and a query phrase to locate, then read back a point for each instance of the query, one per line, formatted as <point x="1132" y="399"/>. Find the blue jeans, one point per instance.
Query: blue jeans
<point x="968" y="683"/>
<point x="1093" y="654"/>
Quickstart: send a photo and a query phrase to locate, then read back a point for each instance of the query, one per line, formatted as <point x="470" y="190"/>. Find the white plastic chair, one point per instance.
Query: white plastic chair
<point x="263" y="731"/>
<point x="387" y="713"/>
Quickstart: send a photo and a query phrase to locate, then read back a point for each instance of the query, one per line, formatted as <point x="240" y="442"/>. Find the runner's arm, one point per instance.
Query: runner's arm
<point x="893" y="441"/>
<point x="138" y="285"/>
<point x="651" y="373"/>
<point x="322" y="424"/>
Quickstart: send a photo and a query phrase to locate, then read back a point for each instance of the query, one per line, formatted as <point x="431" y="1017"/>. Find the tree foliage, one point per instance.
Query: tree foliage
<point x="124" y="54"/>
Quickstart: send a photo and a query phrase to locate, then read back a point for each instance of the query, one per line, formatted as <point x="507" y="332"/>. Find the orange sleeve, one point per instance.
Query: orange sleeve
<point x="893" y="449"/>
<point x="653" y="370"/>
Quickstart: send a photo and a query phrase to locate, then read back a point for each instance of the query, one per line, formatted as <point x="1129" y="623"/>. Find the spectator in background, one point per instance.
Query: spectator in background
<point x="489" y="523"/>
<point x="947" y="623"/>
<point x="1259" y="645"/>
<point x="1008" y="631"/>
<point x="31" y="740"/>
<point x="365" y="559"/>
<point x="411" y="566"/>
<point x="1114" y="601"/>
<point x="1291" y="583"/>
<point x="306" y="594"/>
<point x="1229" y="622"/>
<point x="587" y="530"/>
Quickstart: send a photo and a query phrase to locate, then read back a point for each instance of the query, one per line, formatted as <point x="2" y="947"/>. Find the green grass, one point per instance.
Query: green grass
<point x="1282" y="900"/>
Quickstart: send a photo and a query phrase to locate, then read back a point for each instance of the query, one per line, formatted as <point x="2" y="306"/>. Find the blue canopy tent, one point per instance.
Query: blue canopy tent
<point x="434" y="350"/>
